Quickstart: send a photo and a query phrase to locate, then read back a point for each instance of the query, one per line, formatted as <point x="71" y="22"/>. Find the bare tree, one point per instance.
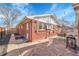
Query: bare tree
<point x="9" y="15"/>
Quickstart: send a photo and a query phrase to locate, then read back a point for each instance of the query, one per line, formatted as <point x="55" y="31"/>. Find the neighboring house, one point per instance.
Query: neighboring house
<point x="68" y="29"/>
<point x="38" y="27"/>
<point x="0" y="29"/>
<point x="12" y="30"/>
<point x="1" y="32"/>
<point x="76" y="8"/>
<point x="65" y="30"/>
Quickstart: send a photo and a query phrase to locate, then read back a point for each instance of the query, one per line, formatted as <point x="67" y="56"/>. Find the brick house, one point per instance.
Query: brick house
<point x="38" y="27"/>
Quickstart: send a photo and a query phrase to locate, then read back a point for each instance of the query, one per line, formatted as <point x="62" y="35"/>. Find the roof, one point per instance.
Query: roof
<point x="75" y="4"/>
<point x="21" y="21"/>
<point x="2" y="27"/>
<point x="40" y="15"/>
<point x="46" y="18"/>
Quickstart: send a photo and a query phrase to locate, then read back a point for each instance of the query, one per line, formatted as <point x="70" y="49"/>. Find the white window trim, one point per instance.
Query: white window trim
<point x="38" y="29"/>
<point x="50" y="28"/>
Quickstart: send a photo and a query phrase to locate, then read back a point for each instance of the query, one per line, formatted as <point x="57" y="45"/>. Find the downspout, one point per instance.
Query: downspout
<point x="46" y="30"/>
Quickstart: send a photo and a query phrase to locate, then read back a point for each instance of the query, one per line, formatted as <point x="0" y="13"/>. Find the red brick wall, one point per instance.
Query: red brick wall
<point x="22" y="31"/>
<point x="39" y="35"/>
<point x="27" y="31"/>
<point x="34" y="33"/>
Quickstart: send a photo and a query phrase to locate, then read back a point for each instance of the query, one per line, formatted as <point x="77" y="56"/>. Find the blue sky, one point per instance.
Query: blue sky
<point x="61" y="10"/>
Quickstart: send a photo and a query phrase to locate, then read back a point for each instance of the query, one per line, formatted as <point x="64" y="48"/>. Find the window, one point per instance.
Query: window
<point x="50" y="27"/>
<point x="41" y="26"/>
<point x="44" y="26"/>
